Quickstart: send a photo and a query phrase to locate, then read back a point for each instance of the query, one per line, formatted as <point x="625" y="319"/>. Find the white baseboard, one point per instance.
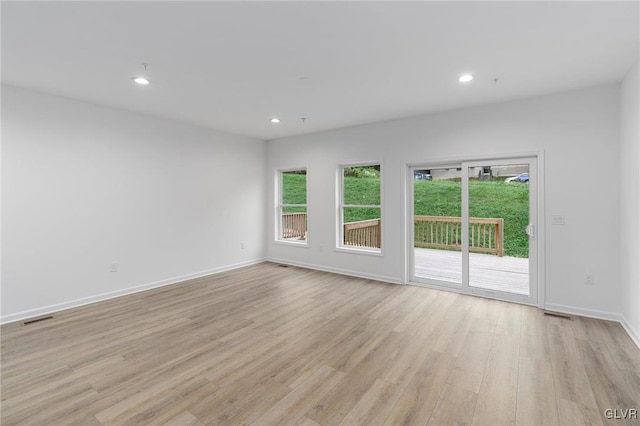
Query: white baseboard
<point x="591" y="313"/>
<point x="358" y="274"/>
<point x="575" y="310"/>
<point x="634" y="334"/>
<point x="110" y="295"/>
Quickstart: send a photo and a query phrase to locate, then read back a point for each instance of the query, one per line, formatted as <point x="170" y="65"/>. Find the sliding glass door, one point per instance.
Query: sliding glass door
<point x="473" y="227"/>
<point x="437" y="225"/>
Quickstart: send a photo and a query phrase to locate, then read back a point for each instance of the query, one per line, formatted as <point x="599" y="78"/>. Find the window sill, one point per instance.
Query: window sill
<point x="360" y="250"/>
<point x="293" y="243"/>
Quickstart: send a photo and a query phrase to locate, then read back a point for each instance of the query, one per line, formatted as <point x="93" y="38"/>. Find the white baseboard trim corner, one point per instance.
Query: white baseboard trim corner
<point x="575" y="310"/>
<point x="633" y="334"/>
<point x="592" y="313"/>
<point x="50" y="309"/>
<point x="348" y="272"/>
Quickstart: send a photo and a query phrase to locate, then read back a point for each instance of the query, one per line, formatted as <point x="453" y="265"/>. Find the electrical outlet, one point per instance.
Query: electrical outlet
<point x="243" y="246"/>
<point x="590" y="280"/>
<point x="557" y="220"/>
<point x="113" y="267"/>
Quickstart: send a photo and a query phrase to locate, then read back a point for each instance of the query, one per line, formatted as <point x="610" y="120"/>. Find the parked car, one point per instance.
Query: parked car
<point x="421" y="176"/>
<point x="523" y="177"/>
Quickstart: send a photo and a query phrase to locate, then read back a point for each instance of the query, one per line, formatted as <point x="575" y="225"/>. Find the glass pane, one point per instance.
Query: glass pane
<point x="294" y="223"/>
<point x="437" y="206"/>
<point x="498" y="219"/>
<point x="362" y="227"/>
<point x="294" y="187"/>
<point x="362" y="185"/>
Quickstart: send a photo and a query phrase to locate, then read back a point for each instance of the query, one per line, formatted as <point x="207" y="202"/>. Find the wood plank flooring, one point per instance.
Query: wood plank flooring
<point x="269" y="345"/>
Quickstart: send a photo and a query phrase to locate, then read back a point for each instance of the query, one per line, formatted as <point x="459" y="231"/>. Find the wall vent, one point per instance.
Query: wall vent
<point x="38" y="319"/>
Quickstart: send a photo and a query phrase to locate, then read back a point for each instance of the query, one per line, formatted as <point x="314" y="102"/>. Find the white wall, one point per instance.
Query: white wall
<point x="630" y="202"/>
<point x="85" y="185"/>
<point x="579" y="133"/>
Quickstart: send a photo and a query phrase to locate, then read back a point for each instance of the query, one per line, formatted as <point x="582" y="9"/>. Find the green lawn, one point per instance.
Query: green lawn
<point x="495" y="199"/>
<point x="294" y="188"/>
<point x="361" y="191"/>
<point x="294" y="191"/>
<point x="437" y="198"/>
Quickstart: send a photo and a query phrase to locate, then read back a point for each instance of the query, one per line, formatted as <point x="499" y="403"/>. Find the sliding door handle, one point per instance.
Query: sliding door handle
<point x="530" y="230"/>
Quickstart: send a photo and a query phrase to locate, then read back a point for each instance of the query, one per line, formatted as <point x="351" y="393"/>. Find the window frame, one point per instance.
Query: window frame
<point x="340" y="206"/>
<point x="279" y="206"/>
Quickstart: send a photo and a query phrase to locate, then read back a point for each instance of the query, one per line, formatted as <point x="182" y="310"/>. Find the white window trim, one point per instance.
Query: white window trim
<point x="340" y="247"/>
<point x="279" y="206"/>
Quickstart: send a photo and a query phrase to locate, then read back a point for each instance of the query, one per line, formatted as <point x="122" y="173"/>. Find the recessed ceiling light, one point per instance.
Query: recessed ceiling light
<point x="275" y="120"/>
<point x="141" y="80"/>
<point x="465" y="78"/>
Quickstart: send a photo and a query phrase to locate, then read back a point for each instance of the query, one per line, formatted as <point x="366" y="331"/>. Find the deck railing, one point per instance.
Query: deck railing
<point x="294" y="225"/>
<point x="364" y="233"/>
<point x="486" y="235"/>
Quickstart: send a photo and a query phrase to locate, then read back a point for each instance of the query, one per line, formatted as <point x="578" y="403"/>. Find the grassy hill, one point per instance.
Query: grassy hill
<point x="496" y="199"/>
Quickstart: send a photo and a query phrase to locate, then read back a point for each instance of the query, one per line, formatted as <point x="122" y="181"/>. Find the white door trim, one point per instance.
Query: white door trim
<point x="537" y="208"/>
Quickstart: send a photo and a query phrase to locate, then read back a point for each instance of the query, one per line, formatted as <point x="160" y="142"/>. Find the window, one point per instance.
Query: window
<point x="360" y="211"/>
<point x="292" y="206"/>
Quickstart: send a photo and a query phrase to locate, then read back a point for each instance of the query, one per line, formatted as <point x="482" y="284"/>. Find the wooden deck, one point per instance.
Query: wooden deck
<point x="510" y="274"/>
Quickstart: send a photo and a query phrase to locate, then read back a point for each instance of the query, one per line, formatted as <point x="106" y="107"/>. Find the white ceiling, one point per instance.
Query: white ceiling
<point x="234" y="65"/>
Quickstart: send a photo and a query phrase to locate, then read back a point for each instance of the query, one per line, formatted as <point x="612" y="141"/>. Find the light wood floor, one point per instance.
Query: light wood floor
<point x="271" y="345"/>
<point x="510" y="274"/>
